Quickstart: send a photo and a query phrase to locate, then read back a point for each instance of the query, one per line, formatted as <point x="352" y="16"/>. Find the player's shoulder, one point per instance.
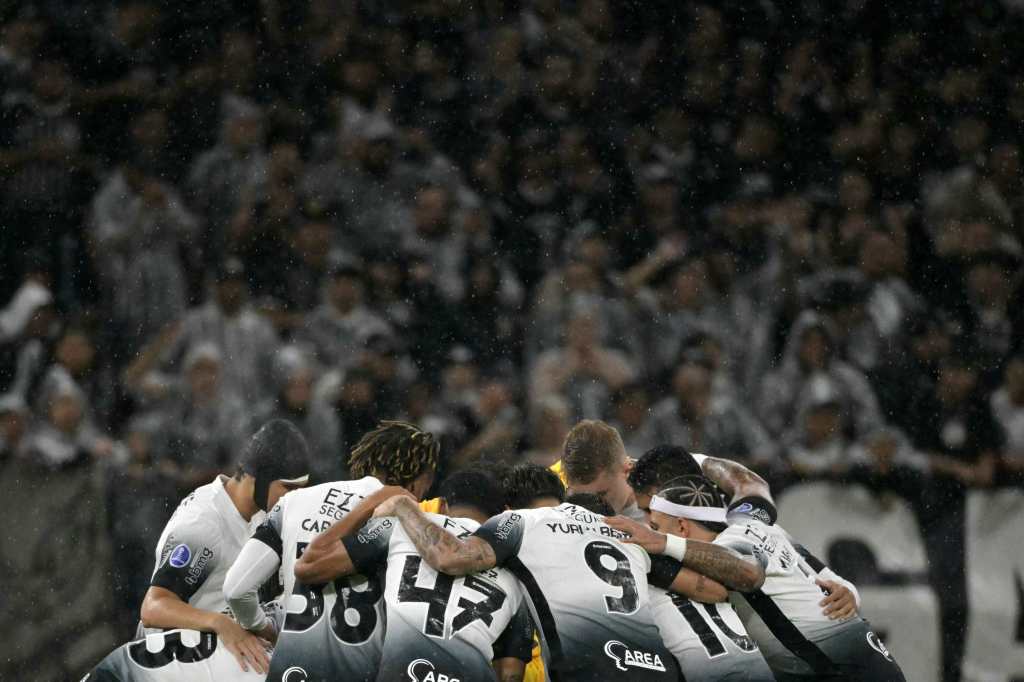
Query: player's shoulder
<point x="456" y="525"/>
<point x="749" y="531"/>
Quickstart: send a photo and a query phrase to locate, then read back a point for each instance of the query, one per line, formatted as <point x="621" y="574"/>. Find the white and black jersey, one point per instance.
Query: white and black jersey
<point x="172" y="656"/>
<point x="589" y="593"/>
<point x="787" y="621"/>
<point x="332" y="631"/>
<point x="440" y="627"/>
<point x="199" y="544"/>
<point x="708" y="640"/>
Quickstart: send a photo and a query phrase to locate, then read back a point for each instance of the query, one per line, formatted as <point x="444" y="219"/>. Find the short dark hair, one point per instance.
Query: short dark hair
<point x="525" y="483"/>
<point x="592" y="503"/>
<point x="473" y="488"/>
<point x="696" y="491"/>
<point x="661" y="464"/>
<point x="591" y="448"/>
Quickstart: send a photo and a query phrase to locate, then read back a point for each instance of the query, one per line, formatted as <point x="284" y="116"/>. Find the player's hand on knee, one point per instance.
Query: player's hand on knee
<point x="249" y="649"/>
<point x="839" y="602"/>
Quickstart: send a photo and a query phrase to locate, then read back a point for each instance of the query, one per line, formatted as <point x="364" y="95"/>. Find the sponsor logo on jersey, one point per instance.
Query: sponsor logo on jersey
<point x="626" y="658"/>
<point x="295" y="674"/>
<point x="375" y="532"/>
<point x="758" y="513"/>
<point x="875" y="643"/>
<point x="196" y="571"/>
<point x="505" y="529"/>
<point x="180" y="556"/>
<point x="422" y="670"/>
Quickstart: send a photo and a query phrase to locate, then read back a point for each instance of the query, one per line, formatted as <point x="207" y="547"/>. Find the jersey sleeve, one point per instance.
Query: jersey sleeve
<point x="269" y="532"/>
<point x="753" y="508"/>
<point x="504" y="533"/>
<point x="187" y="559"/>
<point x="516" y="641"/>
<point x="664" y="570"/>
<point x="369" y="547"/>
<point x="746" y="539"/>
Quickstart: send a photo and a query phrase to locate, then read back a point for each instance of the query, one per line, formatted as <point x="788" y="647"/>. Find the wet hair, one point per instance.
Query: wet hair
<point x="696" y="491"/>
<point x="661" y="464"/>
<point x="591" y="448"/>
<point x="526" y="483"/>
<point x="592" y="503"/>
<point x="473" y="488"/>
<point x="396" y="452"/>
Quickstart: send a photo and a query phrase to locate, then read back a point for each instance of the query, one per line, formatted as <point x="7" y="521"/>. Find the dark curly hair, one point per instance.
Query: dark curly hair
<point x="396" y="452"/>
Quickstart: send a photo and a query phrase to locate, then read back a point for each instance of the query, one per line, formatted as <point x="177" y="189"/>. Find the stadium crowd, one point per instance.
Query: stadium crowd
<point x="788" y="233"/>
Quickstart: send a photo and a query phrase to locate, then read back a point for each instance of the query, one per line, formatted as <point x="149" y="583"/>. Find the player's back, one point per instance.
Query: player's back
<point x="784" y="616"/>
<point x="335" y="630"/>
<point x="588" y="590"/>
<point x="708" y="640"/>
<point x="198" y="545"/>
<point x="172" y="656"/>
<point x="438" y="626"/>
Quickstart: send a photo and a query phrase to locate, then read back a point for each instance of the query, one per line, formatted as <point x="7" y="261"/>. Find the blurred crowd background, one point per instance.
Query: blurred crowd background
<point x="785" y="232"/>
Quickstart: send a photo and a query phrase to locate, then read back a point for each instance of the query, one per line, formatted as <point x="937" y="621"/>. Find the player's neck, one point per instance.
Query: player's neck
<point x="467" y="513"/>
<point x="241" y="497"/>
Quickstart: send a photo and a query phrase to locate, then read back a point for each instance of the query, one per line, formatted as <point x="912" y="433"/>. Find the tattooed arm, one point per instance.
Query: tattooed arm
<point x="727" y="566"/>
<point x="722" y="564"/>
<point x="698" y="587"/>
<point x="736" y="480"/>
<point x="441" y="550"/>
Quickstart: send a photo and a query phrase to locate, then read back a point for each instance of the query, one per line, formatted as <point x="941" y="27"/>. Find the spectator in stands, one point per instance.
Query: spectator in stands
<point x="244" y="339"/>
<point x="294" y="374"/>
<point x="583" y="371"/>
<point x="631" y="407"/>
<point x="819" y="445"/>
<point x="28" y="327"/>
<point x="685" y="301"/>
<point x="810" y="349"/>
<point x="232" y="171"/>
<point x="496" y="422"/>
<point x="434" y="238"/>
<point x="62" y="435"/>
<point x="548" y="428"/>
<point x="708" y="423"/>
<point x="340" y="326"/>
<point x="1007" y="405"/>
<point x="140" y="227"/>
<point x="203" y="424"/>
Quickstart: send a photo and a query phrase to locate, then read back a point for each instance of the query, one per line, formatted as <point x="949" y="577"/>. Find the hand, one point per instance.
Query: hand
<point x="248" y="649"/>
<point x="639" y="534"/>
<point x="389" y="506"/>
<point x="388" y="493"/>
<point x="839" y="603"/>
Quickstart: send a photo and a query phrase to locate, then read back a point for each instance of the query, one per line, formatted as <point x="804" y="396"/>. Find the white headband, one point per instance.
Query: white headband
<point x="683" y="511"/>
<point x="301" y="480"/>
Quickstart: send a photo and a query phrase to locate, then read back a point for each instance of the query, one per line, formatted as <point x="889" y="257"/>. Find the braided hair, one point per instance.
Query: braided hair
<point x="696" y="491"/>
<point x="396" y="452"/>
